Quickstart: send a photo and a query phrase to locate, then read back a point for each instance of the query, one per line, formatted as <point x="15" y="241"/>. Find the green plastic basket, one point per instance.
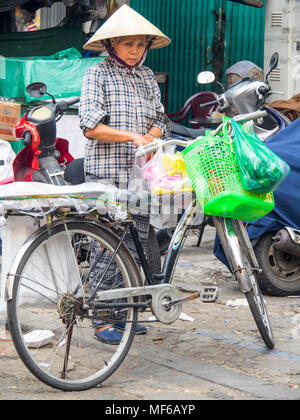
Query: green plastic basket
<point x="212" y="166"/>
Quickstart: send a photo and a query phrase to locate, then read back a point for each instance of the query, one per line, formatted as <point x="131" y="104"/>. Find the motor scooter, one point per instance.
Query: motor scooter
<point x="245" y="96"/>
<point x="249" y="95"/>
<point x="277" y="251"/>
<point x="44" y="156"/>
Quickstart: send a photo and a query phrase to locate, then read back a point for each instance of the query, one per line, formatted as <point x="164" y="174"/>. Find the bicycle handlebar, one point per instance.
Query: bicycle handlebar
<point x="152" y="147"/>
<point x="243" y="118"/>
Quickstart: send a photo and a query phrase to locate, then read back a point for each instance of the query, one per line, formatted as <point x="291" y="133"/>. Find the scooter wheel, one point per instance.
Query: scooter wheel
<point x="280" y="274"/>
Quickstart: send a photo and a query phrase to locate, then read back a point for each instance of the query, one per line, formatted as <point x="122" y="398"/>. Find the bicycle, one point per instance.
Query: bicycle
<point x="49" y="289"/>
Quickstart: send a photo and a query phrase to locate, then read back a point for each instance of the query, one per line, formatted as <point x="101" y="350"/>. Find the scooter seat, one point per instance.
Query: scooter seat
<point x="181" y="130"/>
<point x="74" y="172"/>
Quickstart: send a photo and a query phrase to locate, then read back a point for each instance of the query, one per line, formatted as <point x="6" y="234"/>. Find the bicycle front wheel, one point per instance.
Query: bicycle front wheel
<point x="50" y="325"/>
<point x="243" y="264"/>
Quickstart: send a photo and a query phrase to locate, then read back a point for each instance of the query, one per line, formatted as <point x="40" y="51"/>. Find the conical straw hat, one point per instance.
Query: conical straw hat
<point x="124" y="22"/>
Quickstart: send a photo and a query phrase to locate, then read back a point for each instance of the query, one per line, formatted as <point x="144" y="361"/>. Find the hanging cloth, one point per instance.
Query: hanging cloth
<point x="25" y="125"/>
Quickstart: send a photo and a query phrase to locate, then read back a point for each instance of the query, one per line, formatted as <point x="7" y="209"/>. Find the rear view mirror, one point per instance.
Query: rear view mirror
<point x="274" y="61"/>
<point x="273" y="64"/>
<point x="37" y="89"/>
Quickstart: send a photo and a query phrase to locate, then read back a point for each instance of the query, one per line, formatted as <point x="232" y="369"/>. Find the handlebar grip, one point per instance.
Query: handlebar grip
<point x="73" y="101"/>
<point x="251" y="116"/>
<point x="144" y="150"/>
<point x="64" y="105"/>
<point x="209" y="104"/>
<point x="27" y="138"/>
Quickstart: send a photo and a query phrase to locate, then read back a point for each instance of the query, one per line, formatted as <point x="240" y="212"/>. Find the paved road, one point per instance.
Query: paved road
<point x="215" y="355"/>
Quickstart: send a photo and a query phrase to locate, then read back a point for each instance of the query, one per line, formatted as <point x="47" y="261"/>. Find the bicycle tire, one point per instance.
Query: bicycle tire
<point x="260" y="315"/>
<point x="91" y="361"/>
<point x="256" y="303"/>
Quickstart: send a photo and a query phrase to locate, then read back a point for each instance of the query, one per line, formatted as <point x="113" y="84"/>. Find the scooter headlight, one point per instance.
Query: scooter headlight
<point x="41" y="114"/>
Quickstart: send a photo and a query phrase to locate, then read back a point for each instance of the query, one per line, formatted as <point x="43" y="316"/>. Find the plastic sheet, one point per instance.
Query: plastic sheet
<point x="62" y="72"/>
<point x="38" y="199"/>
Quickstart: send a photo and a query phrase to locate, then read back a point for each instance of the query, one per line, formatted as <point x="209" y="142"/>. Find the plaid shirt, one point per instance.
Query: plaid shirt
<point x="113" y="95"/>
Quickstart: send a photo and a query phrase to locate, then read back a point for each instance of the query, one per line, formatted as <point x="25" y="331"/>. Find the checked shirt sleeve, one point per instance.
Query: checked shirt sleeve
<point x="91" y="112"/>
<point x="162" y="120"/>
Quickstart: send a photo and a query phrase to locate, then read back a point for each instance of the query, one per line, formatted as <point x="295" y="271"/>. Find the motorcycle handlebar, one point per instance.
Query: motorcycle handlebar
<point x="153" y="147"/>
<point x="73" y="101"/>
<point x="251" y="116"/>
<point x="64" y="105"/>
<point x="209" y="104"/>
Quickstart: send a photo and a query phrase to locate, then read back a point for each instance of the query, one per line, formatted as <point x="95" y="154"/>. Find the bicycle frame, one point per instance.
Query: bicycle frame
<point x="233" y="237"/>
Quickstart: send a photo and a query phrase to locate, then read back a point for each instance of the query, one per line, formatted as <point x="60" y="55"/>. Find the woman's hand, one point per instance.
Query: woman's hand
<point x="139" y="140"/>
<point x="108" y="134"/>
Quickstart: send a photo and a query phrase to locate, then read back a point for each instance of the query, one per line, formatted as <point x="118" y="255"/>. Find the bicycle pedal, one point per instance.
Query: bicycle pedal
<point x="209" y="294"/>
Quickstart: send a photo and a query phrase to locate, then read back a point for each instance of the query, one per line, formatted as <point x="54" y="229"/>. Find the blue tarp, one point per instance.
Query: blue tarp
<point x="285" y="144"/>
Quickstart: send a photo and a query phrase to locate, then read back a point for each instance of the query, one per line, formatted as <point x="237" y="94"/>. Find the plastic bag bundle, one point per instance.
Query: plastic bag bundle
<point x="165" y="178"/>
<point x="165" y="173"/>
<point x="261" y="170"/>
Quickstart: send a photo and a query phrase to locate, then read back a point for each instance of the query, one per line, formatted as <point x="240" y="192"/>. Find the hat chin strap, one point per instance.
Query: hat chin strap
<point x="118" y="60"/>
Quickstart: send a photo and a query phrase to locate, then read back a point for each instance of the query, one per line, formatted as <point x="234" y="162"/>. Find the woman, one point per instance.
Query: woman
<point x="120" y="110"/>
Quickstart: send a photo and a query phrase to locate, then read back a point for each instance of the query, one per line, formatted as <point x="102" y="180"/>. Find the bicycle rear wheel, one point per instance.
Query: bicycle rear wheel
<point x="50" y="326"/>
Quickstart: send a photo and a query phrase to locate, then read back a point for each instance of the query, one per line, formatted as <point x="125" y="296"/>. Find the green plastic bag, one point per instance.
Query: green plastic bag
<point x="261" y="170"/>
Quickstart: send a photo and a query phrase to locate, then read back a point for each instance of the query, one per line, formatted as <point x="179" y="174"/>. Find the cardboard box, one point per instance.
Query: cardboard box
<point x="9" y="117"/>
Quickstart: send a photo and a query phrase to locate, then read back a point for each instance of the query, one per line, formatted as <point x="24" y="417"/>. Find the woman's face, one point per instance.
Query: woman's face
<point x="130" y="48"/>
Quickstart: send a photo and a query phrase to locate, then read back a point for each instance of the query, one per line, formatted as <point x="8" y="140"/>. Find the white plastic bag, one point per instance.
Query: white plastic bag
<point x="165" y="178"/>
